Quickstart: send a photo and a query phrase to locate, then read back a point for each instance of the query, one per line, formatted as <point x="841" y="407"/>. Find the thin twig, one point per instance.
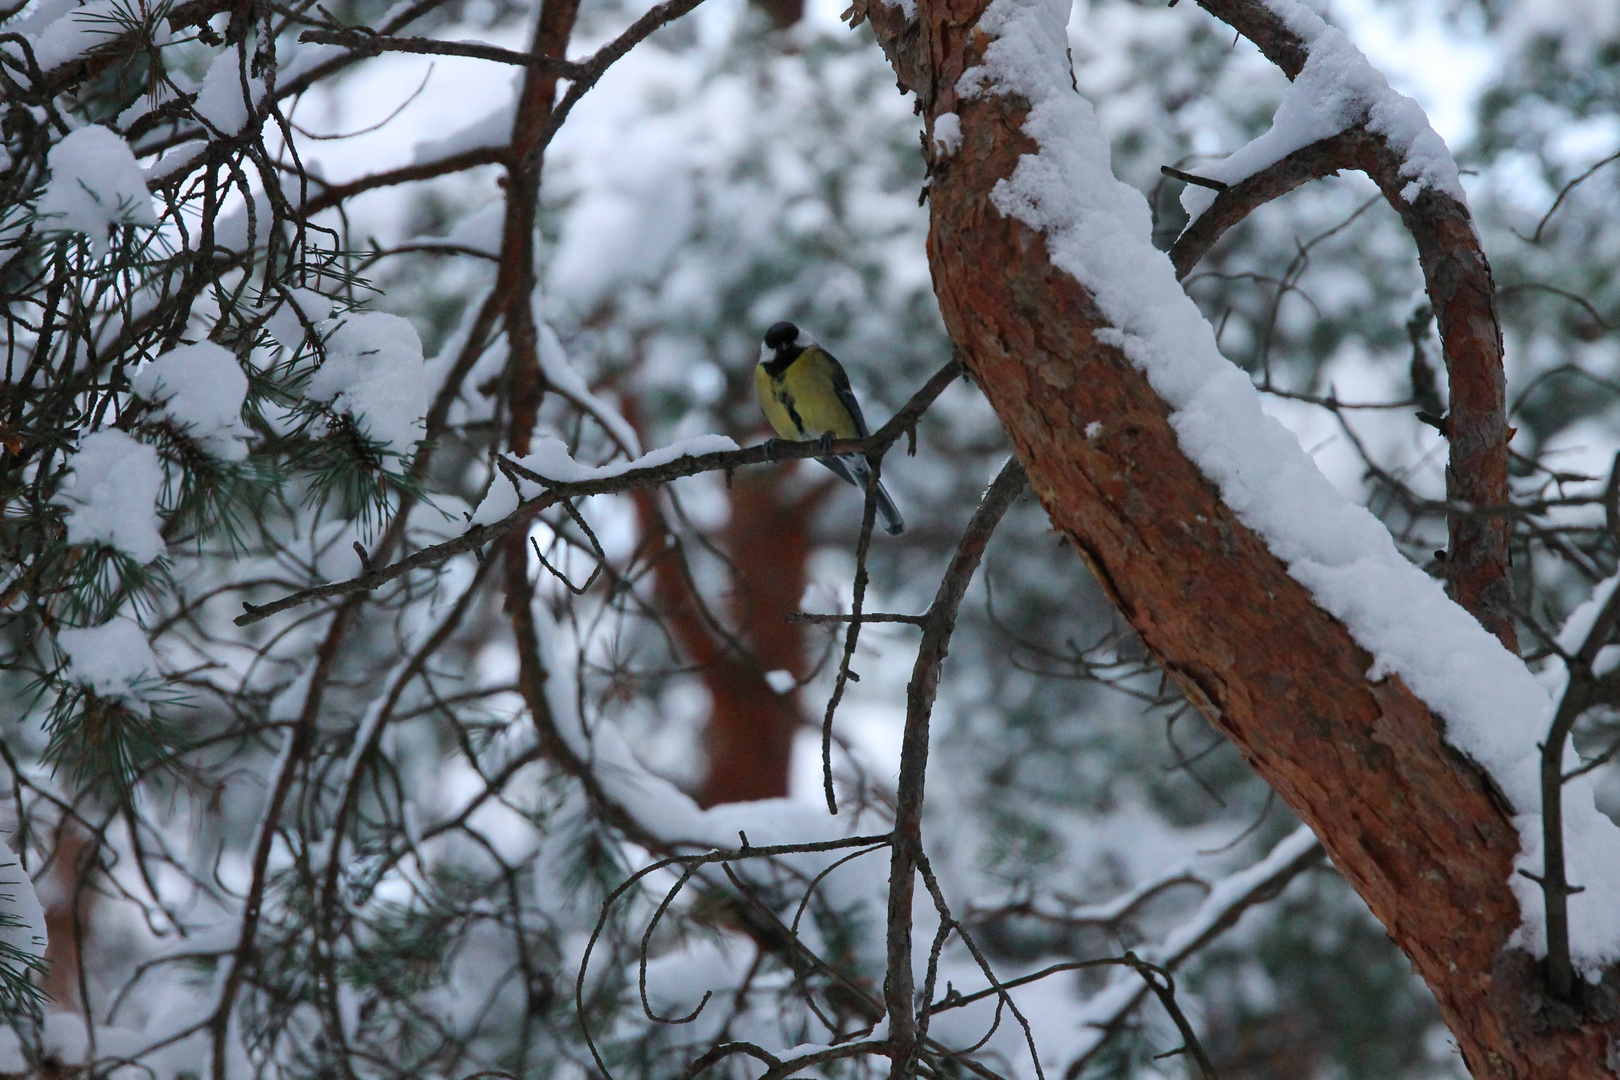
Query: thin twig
<point x="363" y="42"/>
<point x="1554" y="881"/>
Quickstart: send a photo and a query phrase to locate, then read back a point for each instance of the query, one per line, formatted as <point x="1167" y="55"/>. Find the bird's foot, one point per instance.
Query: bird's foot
<point x="827" y="439"/>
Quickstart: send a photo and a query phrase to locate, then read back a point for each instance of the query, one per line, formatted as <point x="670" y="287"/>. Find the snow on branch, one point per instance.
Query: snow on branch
<point x="1337" y="89"/>
<point x="23" y="936"/>
<point x="1098" y="230"/>
<point x="1340" y="113"/>
<point x="1228" y="899"/>
<point x="671" y="463"/>
<point x="200" y="388"/>
<point x="95" y="184"/>
<point x="112" y="493"/>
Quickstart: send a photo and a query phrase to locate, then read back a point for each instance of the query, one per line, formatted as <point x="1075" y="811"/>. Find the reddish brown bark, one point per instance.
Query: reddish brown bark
<point x="1411" y="825"/>
<point x="748" y="737"/>
<point x="68" y="904"/>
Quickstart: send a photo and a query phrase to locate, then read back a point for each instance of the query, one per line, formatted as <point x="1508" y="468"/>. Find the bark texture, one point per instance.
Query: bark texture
<point x="1415" y="828"/>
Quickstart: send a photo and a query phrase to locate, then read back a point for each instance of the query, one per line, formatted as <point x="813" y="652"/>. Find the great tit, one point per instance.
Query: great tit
<point x="806" y="396"/>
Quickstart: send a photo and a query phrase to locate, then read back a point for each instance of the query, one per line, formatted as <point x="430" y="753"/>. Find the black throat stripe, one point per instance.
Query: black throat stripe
<point x="777" y="365"/>
<point x="793" y="414"/>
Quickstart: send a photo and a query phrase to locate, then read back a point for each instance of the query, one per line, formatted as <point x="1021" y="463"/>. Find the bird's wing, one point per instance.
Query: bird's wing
<point x="846" y="396"/>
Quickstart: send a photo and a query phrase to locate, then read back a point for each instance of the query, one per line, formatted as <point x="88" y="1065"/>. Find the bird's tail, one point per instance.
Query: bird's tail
<point x="893" y="523"/>
<point x="857" y="471"/>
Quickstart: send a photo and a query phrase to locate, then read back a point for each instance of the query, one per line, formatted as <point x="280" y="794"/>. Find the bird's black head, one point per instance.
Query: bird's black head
<point x="781" y="335"/>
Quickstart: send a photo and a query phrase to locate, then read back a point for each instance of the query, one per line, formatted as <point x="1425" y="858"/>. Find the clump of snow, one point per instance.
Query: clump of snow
<point x="286" y="325"/>
<point x="220" y="101"/>
<point x="551" y="460"/>
<point x="1572" y="635"/>
<point x="65" y="1038"/>
<point x="492" y="130"/>
<point x="177" y="159"/>
<point x="94" y="184"/>
<point x="1336" y="90"/>
<point x="374" y="372"/>
<point x="113" y="659"/>
<point x="781" y="680"/>
<point x="1098" y="229"/>
<point x="112" y="495"/>
<point x="19" y="900"/>
<point x="947" y="133"/>
<point x="184" y="156"/>
<point x="200" y="388"/>
<point x="60" y="31"/>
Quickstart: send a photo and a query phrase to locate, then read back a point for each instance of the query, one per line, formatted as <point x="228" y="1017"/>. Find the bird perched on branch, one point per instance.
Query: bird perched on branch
<point x="806" y="396"/>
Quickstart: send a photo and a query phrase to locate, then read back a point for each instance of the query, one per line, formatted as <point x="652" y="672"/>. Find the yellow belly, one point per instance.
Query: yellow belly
<point x="804" y="403"/>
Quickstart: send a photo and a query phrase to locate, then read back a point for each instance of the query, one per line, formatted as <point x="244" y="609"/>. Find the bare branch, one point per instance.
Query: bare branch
<point x="899" y="988"/>
<point x="366" y="43"/>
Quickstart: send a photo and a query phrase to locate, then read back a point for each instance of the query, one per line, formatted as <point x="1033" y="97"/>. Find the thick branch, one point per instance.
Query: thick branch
<point x="1322" y="158"/>
<point x="1418" y="831"/>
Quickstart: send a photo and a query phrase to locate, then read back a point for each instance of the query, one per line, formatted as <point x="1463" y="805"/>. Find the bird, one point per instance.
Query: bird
<point x="806" y="395"/>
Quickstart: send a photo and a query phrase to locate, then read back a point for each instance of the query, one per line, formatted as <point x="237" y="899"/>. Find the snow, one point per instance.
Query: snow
<point x="1336" y="90"/>
<point x="178" y="159"/>
<point x="19" y="900"/>
<point x="482" y="230"/>
<point x="551" y="460"/>
<point x="494" y="129"/>
<point x="112" y="495"/>
<point x="59" y="31"/>
<point x="1580" y="28"/>
<point x="95" y="183"/>
<point x="220" y="102"/>
<point x="658" y="805"/>
<point x="565" y="380"/>
<point x="200" y="388"/>
<point x="145" y="104"/>
<point x="1096" y="1019"/>
<point x="781" y="680"/>
<point x="1579" y="623"/>
<point x="113" y="659"/>
<point x="1098" y="229"/>
<point x="286" y="326"/>
<point x="374" y="372"/>
<point x="947" y="133"/>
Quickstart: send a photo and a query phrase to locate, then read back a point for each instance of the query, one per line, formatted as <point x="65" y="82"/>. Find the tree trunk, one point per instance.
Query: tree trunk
<point x="1415" y="828"/>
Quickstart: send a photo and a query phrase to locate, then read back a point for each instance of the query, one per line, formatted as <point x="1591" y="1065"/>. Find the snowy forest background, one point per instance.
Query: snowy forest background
<point x="334" y="841"/>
